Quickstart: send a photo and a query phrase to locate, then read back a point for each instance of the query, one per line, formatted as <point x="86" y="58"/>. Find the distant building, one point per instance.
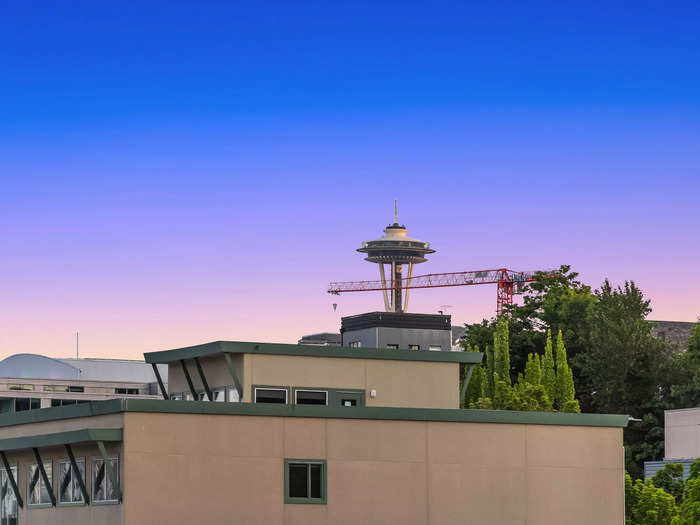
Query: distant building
<point x="322" y="339"/>
<point x="397" y="330"/>
<point x="673" y="332"/>
<point x="32" y="381"/>
<point x="681" y="440"/>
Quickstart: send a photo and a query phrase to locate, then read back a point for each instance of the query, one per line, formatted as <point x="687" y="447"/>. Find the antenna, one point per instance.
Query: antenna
<point x="77" y="345"/>
<point x="396" y="211"/>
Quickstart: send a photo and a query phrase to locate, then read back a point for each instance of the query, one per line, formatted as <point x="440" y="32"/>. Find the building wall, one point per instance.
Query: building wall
<point x="92" y="391"/>
<point x="104" y="514"/>
<point x="416" y="384"/>
<point x="682" y="433"/>
<point x="379" y="472"/>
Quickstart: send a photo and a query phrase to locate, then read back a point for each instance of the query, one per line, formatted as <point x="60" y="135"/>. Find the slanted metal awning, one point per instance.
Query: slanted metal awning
<point x="88" y="435"/>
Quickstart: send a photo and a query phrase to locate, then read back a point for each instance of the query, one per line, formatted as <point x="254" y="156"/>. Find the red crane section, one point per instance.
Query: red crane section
<point x="509" y="282"/>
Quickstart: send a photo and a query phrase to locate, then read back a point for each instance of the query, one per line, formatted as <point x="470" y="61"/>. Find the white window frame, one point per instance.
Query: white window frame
<point x="95" y="460"/>
<point x="309" y="390"/>
<point x="11" y="499"/>
<point x="221" y="391"/>
<point x="285" y="390"/>
<point x="232" y="395"/>
<point x="48" y="467"/>
<point x="78" y="461"/>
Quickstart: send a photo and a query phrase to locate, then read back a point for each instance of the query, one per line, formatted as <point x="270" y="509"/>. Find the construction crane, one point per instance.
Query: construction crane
<point x="508" y="283"/>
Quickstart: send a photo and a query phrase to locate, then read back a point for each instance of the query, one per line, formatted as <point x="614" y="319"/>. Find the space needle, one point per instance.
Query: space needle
<point x="396" y="249"/>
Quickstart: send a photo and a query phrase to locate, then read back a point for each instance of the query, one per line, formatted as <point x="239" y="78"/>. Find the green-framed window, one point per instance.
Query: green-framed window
<point x="305" y="481"/>
<point x="271" y="394"/>
<point x="333" y="397"/>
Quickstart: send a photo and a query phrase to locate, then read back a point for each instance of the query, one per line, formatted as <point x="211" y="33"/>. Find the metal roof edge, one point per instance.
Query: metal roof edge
<point x="245" y="347"/>
<point x="376" y="413"/>
<point x="61" y="438"/>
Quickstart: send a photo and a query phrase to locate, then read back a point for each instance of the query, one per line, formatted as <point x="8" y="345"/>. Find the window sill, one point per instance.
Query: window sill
<point x="305" y="501"/>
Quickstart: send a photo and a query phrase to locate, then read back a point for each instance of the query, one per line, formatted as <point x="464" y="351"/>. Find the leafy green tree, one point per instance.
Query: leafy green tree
<point x="632" y="491"/>
<point x="670" y="478"/>
<point x="627" y="369"/>
<point x="690" y="508"/>
<point x="646" y="504"/>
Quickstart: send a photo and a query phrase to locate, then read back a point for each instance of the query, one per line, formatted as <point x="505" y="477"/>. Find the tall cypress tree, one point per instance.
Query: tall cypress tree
<point x="533" y="371"/>
<point x="502" y="351"/>
<point x="565" y="380"/>
<point x="490" y="370"/>
<point x="549" y="379"/>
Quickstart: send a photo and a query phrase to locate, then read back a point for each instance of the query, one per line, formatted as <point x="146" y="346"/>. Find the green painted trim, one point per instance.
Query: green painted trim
<point x="324" y="482"/>
<point x="242" y="347"/>
<point x="234" y="376"/>
<point x="271" y="387"/>
<point x="61" y="438"/>
<point x="115" y="406"/>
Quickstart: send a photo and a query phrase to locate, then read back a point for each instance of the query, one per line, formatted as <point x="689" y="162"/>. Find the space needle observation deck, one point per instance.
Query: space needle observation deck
<point x="396" y="249"/>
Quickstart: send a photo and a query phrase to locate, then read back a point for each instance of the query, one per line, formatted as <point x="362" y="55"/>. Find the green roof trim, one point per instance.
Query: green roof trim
<point x="241" y="347"/>
<point x="311" y="411"/>
<point x="61" y="438"/>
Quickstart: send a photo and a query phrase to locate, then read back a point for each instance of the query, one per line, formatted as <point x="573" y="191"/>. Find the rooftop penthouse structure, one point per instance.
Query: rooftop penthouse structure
<point x="262" y="433"/>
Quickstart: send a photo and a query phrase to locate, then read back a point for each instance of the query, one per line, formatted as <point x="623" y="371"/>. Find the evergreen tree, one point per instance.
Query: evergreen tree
<point x="533" y="371"/>
<point x="475" y="386"/>
<point x="564" y="380"/>
<point x="549" y="380"/>
<point x="490" y="370"/>
<point x="501" y="351"/>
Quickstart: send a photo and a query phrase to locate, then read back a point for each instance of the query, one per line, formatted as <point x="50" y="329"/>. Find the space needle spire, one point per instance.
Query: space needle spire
<point x="395" y="249"/>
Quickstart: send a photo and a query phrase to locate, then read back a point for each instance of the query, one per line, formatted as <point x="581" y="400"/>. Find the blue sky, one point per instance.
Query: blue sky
<point x="192" y="171"/>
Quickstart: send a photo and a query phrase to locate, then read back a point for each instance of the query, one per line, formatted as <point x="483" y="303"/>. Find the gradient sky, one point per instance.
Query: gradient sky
<point x="176" y="173"/>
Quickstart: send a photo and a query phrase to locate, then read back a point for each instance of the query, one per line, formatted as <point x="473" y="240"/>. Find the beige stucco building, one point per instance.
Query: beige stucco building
<point x="321" y="436"/>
